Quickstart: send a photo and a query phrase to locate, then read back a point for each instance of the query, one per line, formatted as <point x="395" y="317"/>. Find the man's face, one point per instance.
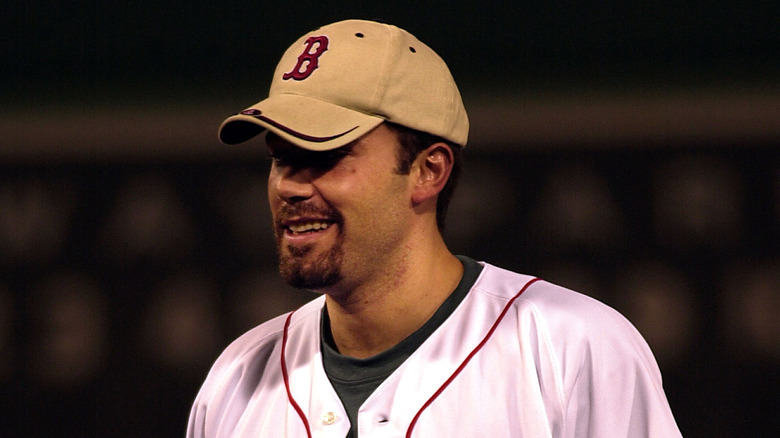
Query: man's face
<point x="337" y="214"/>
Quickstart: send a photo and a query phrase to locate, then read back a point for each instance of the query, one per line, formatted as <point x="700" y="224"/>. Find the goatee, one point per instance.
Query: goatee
<point x="301" y="266"/>
<point x="303" y="270"/>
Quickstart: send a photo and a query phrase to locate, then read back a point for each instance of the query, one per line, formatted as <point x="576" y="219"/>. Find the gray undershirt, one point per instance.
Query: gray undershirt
<point x="355" y="379"/>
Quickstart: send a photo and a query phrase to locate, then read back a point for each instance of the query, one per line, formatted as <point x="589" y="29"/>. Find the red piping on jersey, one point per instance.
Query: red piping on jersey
<point x="435" y="394"/>
<point x="468" y="358"/>
<point x="287" y="379"/>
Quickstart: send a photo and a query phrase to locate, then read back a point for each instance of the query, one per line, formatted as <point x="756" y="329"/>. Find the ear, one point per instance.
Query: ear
<point x="432" y="169"/>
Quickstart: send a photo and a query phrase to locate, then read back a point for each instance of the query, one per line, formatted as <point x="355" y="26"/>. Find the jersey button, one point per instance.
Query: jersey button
<point x="328" y="418"/>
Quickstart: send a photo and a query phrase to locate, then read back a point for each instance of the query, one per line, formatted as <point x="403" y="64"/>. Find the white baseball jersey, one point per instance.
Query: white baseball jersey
<point x="519" y="357"/>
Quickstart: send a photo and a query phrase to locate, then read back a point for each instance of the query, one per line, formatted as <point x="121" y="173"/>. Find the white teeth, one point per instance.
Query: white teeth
<point x="308" y="226"/>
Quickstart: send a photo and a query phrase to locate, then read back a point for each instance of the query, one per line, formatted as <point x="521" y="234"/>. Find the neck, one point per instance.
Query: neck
<point x="377" y="315"/>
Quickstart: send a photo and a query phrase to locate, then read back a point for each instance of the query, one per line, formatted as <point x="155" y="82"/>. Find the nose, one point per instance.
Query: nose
<point x="291" y="184"/>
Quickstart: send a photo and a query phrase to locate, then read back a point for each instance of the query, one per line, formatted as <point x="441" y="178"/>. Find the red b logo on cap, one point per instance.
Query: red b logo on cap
<point x="308" y="61"/>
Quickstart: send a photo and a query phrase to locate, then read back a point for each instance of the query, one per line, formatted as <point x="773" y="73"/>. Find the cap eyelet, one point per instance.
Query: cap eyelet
<point x="359" y="35"/>
<point x="412" y="49"/>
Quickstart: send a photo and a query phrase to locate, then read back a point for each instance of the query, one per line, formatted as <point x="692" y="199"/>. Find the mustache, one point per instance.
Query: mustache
<point x="288" y="211"/>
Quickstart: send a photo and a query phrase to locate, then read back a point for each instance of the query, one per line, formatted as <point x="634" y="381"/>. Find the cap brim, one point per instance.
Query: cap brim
<point x="308" y="123"/>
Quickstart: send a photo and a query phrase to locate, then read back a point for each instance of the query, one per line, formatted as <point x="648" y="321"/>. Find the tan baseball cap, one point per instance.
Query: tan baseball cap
<point x="339" y="82"/>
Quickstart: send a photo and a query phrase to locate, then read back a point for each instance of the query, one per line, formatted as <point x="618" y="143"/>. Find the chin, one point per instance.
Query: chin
<point x="320" y="272"/>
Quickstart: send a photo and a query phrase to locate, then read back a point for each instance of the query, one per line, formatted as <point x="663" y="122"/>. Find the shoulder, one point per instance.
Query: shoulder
<point x="564" y="319"/>
<point x="252" y="351"/>
<point x="598" y="371"/>
<point x="558" y="305"/>
<point x="267" y="333"/>
<point x="250" y="365"/>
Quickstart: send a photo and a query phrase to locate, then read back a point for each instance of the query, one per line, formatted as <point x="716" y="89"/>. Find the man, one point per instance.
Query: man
<point x="365" y="126"/>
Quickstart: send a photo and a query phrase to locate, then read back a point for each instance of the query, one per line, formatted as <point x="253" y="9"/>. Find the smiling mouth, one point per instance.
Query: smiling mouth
<point x="307" y="227"/>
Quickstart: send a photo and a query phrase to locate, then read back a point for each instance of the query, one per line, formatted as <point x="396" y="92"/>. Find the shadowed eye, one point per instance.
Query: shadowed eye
<point x="303" y="159"/>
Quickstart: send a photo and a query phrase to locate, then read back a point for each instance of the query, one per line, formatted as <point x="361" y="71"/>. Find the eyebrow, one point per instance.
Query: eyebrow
<point x="271" y="138"/>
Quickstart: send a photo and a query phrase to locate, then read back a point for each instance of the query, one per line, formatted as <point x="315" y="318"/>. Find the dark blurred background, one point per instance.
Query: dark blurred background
<point x="628" y="150"/>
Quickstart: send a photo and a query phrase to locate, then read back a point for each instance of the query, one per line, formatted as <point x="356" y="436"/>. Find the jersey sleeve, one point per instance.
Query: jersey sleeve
<point x="224" y="395"/>
<point x="609" y="382"/>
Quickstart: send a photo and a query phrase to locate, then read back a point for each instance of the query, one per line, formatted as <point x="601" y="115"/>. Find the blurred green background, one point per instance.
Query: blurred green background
<point x="628" y="150"/>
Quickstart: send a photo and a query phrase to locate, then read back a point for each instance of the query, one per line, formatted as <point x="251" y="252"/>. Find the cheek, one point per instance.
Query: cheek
<point x="271" y="197"/>
<point x="380" y="203"/>
<point x="270" y="188"/>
